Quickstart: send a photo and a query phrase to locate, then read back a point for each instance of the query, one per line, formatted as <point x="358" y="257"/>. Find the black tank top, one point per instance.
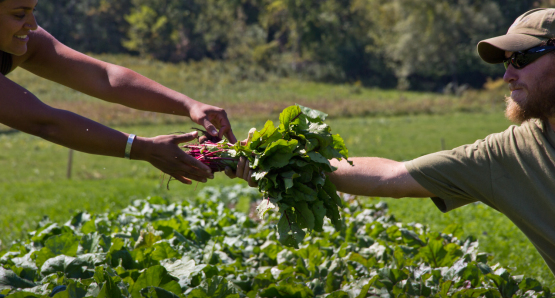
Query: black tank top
<point x="5" y="63"/>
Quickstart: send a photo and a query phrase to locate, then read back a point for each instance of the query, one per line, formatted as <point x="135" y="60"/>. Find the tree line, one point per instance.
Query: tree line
<point x="407" y="44"/>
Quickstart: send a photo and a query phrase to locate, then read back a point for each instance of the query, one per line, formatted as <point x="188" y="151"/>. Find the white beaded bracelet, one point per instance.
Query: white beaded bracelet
<point x="128" y="146"/>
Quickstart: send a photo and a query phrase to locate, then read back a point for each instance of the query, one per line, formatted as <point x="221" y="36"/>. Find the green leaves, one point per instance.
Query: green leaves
<point x="292" y="161"/>
<point x="277" y="154"/>
<point x="437" y="254"/>
<point x="155" y="276"/>
<point x="200" y="248"/>
<point x="9" y="280"/>
<point x="290" y="234"/>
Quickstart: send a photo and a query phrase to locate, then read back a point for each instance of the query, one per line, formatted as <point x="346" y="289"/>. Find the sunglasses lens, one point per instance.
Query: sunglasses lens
<point x="520" y="60"/>
<point x="517" y="60"/>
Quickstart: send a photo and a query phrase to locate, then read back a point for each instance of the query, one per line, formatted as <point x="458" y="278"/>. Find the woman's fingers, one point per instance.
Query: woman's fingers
<point x="210" y="128"/>
<point x="164" y="153"/>
<point x="225" y="129"/>
<point x="184" y="138"/>
<point x="195" y="164"/>
<point x="182" y="179"/>
<point x="182" y="171"/>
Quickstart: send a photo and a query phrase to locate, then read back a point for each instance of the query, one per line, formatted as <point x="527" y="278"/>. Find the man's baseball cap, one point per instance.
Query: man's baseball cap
<point x="528" y="31"/>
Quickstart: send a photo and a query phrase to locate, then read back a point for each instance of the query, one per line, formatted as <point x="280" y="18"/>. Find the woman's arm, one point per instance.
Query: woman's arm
<point x="52" y="60"/>
<point x="23" y="111"/>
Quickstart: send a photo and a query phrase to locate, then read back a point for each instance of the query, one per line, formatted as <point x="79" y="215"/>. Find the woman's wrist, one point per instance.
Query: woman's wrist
<point x="128" y="146"/>
<point x="139" y="148"/>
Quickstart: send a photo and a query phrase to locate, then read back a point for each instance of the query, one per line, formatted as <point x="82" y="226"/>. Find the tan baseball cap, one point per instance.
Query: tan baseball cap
<point x="528" y="30"/>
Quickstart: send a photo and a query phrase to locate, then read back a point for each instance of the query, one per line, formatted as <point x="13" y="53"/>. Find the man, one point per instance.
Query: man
<point x="512" y="171"/>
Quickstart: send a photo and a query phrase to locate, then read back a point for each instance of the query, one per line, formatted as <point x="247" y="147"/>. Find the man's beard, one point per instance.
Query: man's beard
<point x="539" y="104"/>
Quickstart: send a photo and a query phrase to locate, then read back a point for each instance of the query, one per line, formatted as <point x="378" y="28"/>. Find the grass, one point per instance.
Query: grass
<point x="260" y="96"/>
<point x="386" y="123"/>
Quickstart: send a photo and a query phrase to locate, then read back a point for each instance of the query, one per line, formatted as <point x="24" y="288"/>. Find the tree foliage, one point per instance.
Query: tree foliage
<point x="409" y="44"/>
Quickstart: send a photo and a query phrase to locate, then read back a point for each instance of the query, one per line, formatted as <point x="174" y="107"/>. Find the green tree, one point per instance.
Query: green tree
<point x="428" y="41"/>
<point x="164" y="29"/>
<point x="87" y="25"/>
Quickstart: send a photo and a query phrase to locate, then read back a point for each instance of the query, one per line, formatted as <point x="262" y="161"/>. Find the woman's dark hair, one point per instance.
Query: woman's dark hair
<point x="5" y="62"/>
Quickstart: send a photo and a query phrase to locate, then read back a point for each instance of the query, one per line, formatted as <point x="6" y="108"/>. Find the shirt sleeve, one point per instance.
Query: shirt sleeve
<point x="457" y="177"/>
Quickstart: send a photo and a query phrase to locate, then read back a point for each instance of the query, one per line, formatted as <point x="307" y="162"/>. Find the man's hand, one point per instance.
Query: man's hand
<point x="164" y="153"/>
<point x="212" y="119"/>
<point x="243" y="171"/>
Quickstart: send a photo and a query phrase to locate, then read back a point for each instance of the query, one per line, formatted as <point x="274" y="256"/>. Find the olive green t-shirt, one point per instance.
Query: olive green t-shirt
<point x="512" y="172"/>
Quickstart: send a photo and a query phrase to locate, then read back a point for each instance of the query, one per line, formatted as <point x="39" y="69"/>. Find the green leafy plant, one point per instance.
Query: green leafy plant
<point x="200" y="248"/>
<point x="291" y="162"/>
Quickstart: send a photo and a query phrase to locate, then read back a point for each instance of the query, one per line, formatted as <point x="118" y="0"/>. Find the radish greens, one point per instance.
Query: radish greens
<point x="291" y="162"/>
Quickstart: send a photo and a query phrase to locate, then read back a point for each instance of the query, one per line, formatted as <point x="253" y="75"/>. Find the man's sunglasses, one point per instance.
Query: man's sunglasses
<point x="520" y="59"/>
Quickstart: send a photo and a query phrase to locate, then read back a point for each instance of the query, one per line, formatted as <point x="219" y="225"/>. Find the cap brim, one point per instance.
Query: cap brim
<point x="493" y="50"/>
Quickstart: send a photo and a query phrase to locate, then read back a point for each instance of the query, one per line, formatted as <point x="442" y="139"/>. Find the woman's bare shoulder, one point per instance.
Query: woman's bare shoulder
<point x="40" y="41"/>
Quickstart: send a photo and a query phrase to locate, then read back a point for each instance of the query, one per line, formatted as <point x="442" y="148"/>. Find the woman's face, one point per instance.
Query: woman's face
<point x="16" y="22"/>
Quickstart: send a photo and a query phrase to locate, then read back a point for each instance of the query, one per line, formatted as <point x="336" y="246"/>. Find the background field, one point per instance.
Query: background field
<point x="373" y="122"/>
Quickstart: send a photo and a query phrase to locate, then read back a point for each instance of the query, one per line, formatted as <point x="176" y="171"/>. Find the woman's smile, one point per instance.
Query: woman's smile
<point x="24" y="38"/>
<point x="17" y="22"/>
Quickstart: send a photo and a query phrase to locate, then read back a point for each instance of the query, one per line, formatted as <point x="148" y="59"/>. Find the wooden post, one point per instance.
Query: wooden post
<point x="69" y="163"/>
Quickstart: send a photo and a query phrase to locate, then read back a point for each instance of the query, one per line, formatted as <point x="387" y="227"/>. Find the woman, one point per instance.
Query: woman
<point x="24" y="44"/>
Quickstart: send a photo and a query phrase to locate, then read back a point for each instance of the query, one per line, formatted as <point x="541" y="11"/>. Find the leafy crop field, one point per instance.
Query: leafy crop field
<point x="202" y="248"/>
<point x="391" y="124"/>
<point x="37" y="186"/>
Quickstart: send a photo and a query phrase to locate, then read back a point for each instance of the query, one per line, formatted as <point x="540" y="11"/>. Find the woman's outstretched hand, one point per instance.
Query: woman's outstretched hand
<point x="164" y="153"/>
<point x="212" y="119"/>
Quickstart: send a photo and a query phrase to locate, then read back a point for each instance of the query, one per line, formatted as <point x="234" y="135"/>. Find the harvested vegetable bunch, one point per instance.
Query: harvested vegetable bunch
<point x="290" y="162"/>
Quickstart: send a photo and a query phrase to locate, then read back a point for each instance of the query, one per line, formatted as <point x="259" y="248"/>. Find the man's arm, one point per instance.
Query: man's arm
<point x="54" y="61"/>
<point x="370" y="176"/>
<point x="376" y="177"/>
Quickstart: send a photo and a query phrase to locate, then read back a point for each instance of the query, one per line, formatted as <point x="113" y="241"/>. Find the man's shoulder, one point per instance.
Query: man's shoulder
<point x="528" y="129"/>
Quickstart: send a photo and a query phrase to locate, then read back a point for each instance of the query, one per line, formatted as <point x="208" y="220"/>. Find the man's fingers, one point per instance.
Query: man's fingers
<point x="229" y="172"/>
<point x="247" y="172"/>
<point x="241" y="166"/>
<point x="252" y="182"/>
